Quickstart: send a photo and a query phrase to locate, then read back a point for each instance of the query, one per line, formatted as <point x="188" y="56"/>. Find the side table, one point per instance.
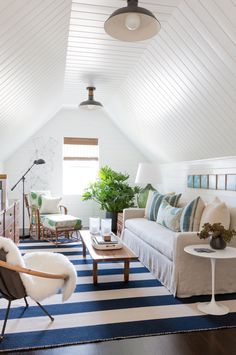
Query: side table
<point x="119" y="223"/>
<point x="212" y="307"/>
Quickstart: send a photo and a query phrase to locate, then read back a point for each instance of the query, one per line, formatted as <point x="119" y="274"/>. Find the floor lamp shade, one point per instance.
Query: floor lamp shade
<point x="147" y="175"/>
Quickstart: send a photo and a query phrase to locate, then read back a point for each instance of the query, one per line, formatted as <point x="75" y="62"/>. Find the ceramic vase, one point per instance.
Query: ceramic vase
<point x="217" y="243"/>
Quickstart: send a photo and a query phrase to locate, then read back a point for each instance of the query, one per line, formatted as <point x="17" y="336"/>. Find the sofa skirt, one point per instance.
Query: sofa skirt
<point x="160" y="266"/>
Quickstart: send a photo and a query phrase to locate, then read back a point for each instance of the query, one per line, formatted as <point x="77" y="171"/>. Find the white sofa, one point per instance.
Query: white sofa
<point x="162" y="251"/>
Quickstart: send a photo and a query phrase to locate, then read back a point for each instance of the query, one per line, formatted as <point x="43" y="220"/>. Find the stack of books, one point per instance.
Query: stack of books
<point x="100" y="243"/>
<point x="100" y="240"/>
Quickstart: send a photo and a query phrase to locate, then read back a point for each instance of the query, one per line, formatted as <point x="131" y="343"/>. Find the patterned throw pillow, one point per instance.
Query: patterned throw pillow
<point x="155" y="202"/>
<point x="169" y="216"/>
<point x="191" y="216"/>
<point x="36" y="197"/>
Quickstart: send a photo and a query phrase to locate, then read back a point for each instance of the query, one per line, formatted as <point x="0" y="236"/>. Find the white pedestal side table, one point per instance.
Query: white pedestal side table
<point x="212" y="307"/>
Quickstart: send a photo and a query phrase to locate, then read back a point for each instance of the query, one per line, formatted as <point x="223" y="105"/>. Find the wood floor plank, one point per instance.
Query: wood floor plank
<point x="212" y="342"/>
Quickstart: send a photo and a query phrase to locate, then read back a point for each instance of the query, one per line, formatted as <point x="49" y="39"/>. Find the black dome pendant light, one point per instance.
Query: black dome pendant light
<point x="132" y="23"/>
<point x="90" y="104"/>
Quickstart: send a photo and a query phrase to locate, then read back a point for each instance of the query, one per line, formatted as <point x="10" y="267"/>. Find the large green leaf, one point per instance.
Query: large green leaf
<point x="111" y="191"/>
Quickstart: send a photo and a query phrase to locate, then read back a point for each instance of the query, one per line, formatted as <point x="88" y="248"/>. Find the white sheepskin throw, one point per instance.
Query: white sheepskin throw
<point x="39" y="288"/>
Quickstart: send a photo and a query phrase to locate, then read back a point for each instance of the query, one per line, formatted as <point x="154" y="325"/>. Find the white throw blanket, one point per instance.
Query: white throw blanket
<point x="39" y="288"/>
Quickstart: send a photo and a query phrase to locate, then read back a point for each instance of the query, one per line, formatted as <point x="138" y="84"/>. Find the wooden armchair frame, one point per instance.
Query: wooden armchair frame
<point x="18" y="269"/>
<point x="35" y="219"/>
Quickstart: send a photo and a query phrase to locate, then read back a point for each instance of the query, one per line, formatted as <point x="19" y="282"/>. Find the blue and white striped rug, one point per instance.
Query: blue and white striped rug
<point x="111" y="310"/>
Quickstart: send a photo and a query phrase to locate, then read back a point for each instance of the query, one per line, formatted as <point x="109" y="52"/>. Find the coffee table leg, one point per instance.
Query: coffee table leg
<point x="84" y="249"/>
<point x="95" y="268"/>
<point x="126" y="271"/>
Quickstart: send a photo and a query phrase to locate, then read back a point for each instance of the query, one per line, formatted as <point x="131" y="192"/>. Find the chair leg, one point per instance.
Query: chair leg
<point x="45" y="311"/>
<point x="26" y="302"/>
<point x="5" y="321"/>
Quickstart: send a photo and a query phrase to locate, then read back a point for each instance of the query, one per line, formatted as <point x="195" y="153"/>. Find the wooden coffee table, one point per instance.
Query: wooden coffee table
<point x="124" y="254"/>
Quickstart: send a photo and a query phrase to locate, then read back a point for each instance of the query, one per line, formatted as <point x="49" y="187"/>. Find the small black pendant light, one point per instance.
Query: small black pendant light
<point x="90" y="104"/>
<point x="132" y="23"/>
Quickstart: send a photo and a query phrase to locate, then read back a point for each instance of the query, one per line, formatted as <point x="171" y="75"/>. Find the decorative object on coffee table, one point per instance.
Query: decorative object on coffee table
<point x="94" y="225"/>
<point x="112" y="192"/>
<point x="213" y="307"/>
<point x="218" y="234"/>
<point x="147" y="174"/>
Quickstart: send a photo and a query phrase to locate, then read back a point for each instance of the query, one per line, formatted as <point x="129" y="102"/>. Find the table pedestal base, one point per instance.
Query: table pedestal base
<point x="213" y="308"/>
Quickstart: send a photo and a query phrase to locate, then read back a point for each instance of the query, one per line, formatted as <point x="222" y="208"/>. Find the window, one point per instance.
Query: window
<point x="80" y="164"/>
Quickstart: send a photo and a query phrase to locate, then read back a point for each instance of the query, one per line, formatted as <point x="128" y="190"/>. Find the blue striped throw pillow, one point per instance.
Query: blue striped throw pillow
<point x="191" y="216"/>
<point x="155" y="202"/>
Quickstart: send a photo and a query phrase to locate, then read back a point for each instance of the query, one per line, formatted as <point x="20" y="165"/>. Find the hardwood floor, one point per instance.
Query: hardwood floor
<point x="217" y="342"/>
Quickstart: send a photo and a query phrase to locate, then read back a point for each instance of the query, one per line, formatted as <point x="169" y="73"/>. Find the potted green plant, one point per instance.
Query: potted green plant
<point x="112" y="192"/>
<point x="218" y="234"/>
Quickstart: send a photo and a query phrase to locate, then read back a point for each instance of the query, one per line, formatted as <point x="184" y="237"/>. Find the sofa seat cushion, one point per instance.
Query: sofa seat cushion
<point x="54" y="221"/>
<point x="157" y="236"/>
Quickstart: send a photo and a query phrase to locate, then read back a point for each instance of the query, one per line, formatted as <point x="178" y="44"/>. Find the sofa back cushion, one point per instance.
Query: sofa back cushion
<point x="155" y="201"/>
<point x="216" y="212"/>
<point x="169" y="216"/>
<point x="191" y="216"/>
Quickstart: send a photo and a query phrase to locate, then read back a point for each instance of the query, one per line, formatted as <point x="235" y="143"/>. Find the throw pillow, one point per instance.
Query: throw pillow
<point x="191" y="216"/>
<point x="50" y="205"/>
<point x="169" y="216"/>
<point x="155" y="201"/>
<point x="149" y="201"/>
<point x="35" y="197"/>
<point x="216" y="212"/>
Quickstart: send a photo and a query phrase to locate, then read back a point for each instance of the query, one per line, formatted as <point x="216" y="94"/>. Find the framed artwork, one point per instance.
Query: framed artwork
<point x="231" y="182"/>
<point x="212" y="182"/>
<point x="204" y="181"/>
<point x="221" y="182"/>
<point x="190" y="181"/>
<point x="196" y="181"/>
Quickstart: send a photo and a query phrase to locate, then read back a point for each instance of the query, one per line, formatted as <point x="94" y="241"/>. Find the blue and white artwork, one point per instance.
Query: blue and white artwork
<point x="197" y="181"/>
<point x="212" y="181"/>
<point x="204" y="181"/>
<point x="190" y="181"/>
<point x="231" y="182"/>
<point x="221" y="182"/>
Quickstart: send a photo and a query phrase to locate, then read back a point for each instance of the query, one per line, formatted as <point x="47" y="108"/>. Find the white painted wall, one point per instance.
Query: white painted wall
<point x="1" y="167"/>
<point x="174" y="178"/>
<point x="114" y="148"/>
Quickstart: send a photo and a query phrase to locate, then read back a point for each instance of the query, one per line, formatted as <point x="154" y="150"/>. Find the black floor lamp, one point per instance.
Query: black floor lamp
<point x="36" y="162"/>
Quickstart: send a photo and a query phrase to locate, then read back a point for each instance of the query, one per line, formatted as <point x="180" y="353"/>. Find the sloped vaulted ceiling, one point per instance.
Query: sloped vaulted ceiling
<point x="33" y="41"/>
<point x="174" y="96"/>
<point x="179" y="101"/>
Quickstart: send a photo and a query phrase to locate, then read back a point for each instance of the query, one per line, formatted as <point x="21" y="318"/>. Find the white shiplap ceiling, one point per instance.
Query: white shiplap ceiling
<point x="173" y="95"/>
<point x="33" y="41"/>
<point x="95" y="58"/>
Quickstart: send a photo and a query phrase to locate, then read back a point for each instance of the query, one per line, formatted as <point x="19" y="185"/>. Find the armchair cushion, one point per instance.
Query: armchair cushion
<point x="49" y="204"/>
<point x="53" y="221"/>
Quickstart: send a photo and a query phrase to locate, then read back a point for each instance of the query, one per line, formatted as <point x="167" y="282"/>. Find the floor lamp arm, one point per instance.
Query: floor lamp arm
<point x="23" y="197"/>
<point x="22" y="177"/>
